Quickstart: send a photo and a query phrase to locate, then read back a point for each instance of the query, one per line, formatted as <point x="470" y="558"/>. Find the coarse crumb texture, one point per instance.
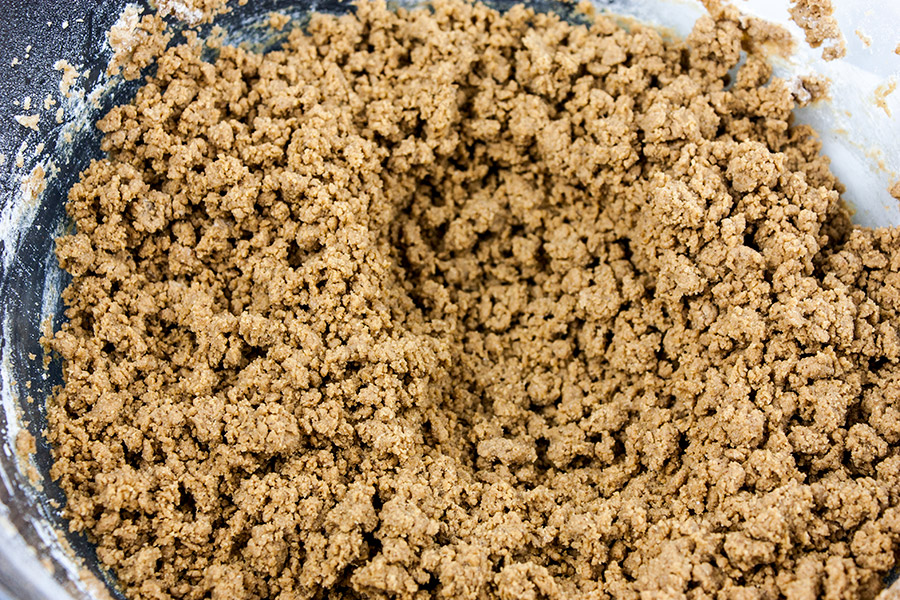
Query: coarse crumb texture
<point x="191" y="12"/>
<point x="447" y="303"/>
<point x="278" y="21"/>
<point x="816" y="19"/>
<point x="808" y="89"/>
<point x="29" y="121"/>
<point x="136" y="42"/>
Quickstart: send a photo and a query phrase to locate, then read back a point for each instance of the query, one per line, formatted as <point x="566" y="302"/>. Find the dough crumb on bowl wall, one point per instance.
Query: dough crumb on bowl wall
<point x="499" y="449"/>
<point x="34" y="541"/>
<point x="816" y="18"/>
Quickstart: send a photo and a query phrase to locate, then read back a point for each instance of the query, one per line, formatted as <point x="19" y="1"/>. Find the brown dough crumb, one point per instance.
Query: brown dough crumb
<point x="815" y="18"/>
<point x="25" y="448"/>
<point x="69" y="76"/>
<point x="448" y="303"/>
<point x="808" y="89"/>
<point x="895" y="190"/>
<point x="25" y="444"/>
<point x="136" y="42"/>
<point x="277" y="21"/>
<point x="29" y="121"/>
<point x="763" y="37"/>
<point x="192" y="12"/>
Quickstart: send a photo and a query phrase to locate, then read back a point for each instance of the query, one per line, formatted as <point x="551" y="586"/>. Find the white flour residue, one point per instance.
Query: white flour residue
<point x="17" y="219"/>
<point x="122" y="36"/>
<point x="180" y="10"/>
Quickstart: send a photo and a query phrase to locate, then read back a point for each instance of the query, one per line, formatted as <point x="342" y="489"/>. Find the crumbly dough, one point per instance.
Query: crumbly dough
<point x="447" y="303"/>
<point x="278" y="21"/>
<point x="29" y="121"/>
<point x="808" y="89"/>
<point x="121" y="36"/>
<point x="192" y="12"/>
<point x="69" y="76"/>
<point x="816" y="19"/>
<point x="136" y="42"/>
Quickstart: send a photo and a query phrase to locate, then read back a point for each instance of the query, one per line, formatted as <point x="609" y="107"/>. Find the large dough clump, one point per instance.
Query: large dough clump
<point x="448" y="303"/>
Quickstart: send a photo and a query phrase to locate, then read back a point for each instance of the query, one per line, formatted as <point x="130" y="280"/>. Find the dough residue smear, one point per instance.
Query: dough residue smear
<point x="448" y="303"/>
<point x="26" y="446"/>
<point x="35" y="183"/>
<point x="816" y="19"/>
<point x="882" y="92"/>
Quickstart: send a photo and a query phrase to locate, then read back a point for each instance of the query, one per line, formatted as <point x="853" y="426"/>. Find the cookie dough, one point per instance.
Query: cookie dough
<point x="449" y="303"/>
<point x="816" y="19"/>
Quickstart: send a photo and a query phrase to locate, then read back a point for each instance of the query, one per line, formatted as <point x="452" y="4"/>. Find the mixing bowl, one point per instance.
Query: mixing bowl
<point x="39" y="558"/>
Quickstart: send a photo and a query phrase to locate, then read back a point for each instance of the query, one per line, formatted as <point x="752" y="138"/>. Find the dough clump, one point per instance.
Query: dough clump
<point x="816" y="19"/>
<point x="449" y="303"/>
